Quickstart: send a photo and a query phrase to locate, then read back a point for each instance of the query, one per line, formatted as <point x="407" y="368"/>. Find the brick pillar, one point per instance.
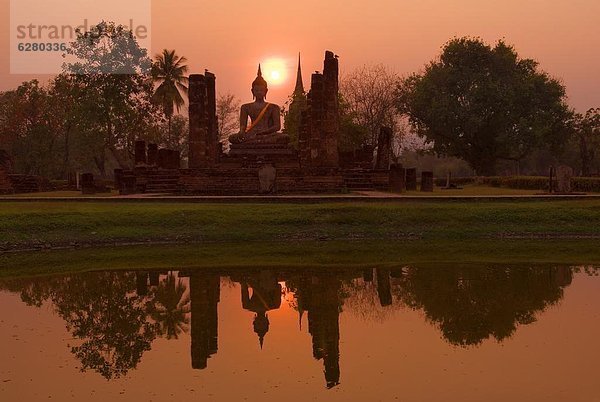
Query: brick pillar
<point x="87" y="184"/>
<point x="331" y="125"/>
<point x="397" y="178"/>
<point x="163" y="159"/>
<point x="304" y="138"/>
<point x="140" y="153"/>
<point x="411" y="179"/>
<point x="384" y="148"/>
<point x="118" y="174"/>
<point x="198" y="121"/>
<point x="152" y="154"/>
<point x="212" y="139"/>
<point x="317" y="116"/>
<point x="427" y="182"/>
<point x="320" y="126"/>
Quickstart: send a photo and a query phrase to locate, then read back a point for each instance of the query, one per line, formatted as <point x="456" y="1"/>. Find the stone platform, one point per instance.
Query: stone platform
<point x="261" y="150"/>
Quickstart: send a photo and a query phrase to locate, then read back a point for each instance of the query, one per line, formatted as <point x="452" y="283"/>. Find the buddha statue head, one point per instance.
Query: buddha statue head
<point x="259" y="86"/>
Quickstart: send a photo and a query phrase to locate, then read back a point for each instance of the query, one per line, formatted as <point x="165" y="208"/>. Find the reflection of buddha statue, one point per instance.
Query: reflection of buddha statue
<point x="265" y="118"/>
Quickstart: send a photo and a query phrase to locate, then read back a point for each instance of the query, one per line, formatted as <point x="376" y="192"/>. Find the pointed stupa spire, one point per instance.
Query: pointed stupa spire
<point x="299" y="85"/>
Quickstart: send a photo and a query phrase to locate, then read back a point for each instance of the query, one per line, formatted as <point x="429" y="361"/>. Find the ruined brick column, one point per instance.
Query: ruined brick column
<point x="384" y="148"/>
<point x="304" y="138"/>
<point x="331" y="125"/>
<point x="427" y="182"/>
<point x="397" y="178"/>
<point x="317" y="116"/>
<point x="320" y="124"/>
<point x="87" y="184"/>
<point x="411" y="179"/>
<point x="198" y="121"/>
<point x="212" y="122"/>
<point x="140" y="153"/>
<point x="152" y="154"/>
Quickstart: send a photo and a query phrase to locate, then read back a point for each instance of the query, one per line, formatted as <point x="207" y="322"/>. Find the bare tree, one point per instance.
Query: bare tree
<point x="228" y="108"/>
<point x="369" y="95"/>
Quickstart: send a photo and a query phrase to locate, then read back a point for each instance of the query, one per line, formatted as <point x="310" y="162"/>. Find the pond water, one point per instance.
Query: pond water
<point x="414" y="333"/>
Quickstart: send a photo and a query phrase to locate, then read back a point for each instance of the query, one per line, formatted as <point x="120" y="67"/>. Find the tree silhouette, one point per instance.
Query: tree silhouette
<point x="470" y="304"/>
<point x="170" y="307"/>
<point x="168" y="71"/>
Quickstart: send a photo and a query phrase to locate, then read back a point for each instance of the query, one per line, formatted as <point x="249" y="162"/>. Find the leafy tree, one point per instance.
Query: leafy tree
<point x="484" y="104"/>
<point x="369" y="100"/>
<point x="168" y="70"/>
<point x="29" y="128"/>
<point x="587" y="136"/>
<point x="352" y="134"/>
<point x="296" y="104"/>
<point x="228" y="115"/>
<point x="115" y="93"/>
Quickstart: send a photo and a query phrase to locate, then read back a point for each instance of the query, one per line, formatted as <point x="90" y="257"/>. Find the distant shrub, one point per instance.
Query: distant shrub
<point x="586" y="184"/>
<point x="457" y="181"/>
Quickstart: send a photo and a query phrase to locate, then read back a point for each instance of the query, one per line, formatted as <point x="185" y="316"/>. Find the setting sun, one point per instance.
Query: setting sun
<point x="275" y="71"/>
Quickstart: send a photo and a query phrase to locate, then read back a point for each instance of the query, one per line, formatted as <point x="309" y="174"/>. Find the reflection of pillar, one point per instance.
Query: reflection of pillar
<point x="321" y="300"/>
<point x="383" y="287"/>
<point x="204" y="296"/>
<point x="368" y="275"/>
<point x="141" y="283"/>
<point x="154" y="278"/>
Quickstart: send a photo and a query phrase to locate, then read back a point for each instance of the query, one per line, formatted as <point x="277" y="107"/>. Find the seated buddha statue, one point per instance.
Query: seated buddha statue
<point x="265" y="118"/>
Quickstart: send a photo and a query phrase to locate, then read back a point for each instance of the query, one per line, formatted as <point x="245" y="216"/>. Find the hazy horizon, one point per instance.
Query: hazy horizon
<point x="231" y="38"/>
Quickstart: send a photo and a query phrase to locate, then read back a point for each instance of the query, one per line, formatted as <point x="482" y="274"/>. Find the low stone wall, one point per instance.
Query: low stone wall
<point x="249" y="180"/>
<point x="5" y="183"/>
<point x="23" y="183"/>
<point x="245" y="181"/>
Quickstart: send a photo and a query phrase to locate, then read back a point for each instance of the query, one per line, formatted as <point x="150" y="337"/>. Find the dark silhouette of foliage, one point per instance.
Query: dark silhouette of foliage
<point x="484" y="104"/>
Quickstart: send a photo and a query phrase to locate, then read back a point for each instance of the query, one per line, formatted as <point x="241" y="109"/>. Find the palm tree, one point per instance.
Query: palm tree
<point x="168" y="71"/>
<point x="170" y="307"/>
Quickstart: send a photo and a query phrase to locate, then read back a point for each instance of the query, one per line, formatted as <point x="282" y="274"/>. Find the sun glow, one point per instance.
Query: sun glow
<point x="274" y="71"/>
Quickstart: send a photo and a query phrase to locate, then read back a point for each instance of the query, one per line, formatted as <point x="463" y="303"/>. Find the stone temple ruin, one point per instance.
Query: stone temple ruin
<point x="261" y="167"/>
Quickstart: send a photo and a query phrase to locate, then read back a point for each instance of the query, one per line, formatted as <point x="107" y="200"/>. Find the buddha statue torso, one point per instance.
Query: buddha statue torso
<point x="265" y="118"/>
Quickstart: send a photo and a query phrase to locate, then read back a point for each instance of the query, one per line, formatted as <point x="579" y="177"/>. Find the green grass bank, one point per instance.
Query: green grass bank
<point x="302" y="256"/>
<point x="25" y="225"/>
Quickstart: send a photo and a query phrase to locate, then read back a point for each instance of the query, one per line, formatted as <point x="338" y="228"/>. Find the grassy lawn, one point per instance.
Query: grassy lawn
<point x="24" y="224"/>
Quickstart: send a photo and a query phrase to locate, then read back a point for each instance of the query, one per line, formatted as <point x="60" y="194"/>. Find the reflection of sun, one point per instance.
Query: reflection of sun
<point x="274" y="71"/>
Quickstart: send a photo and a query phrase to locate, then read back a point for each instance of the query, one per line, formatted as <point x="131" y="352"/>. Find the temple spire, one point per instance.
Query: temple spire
<point x="299" y="85"/>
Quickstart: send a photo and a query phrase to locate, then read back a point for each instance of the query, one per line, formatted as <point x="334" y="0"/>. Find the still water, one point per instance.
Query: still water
<point x="415" y="333"/>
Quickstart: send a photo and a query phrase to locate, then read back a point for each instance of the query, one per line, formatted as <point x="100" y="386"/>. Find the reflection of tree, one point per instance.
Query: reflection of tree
<point x="471" y="304"/>
<point x="100" y="309"/>
<point x="170" y="307"/>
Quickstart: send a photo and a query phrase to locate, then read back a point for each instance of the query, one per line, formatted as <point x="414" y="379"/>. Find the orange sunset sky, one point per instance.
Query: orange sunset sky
<point x="230" y="37"/>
